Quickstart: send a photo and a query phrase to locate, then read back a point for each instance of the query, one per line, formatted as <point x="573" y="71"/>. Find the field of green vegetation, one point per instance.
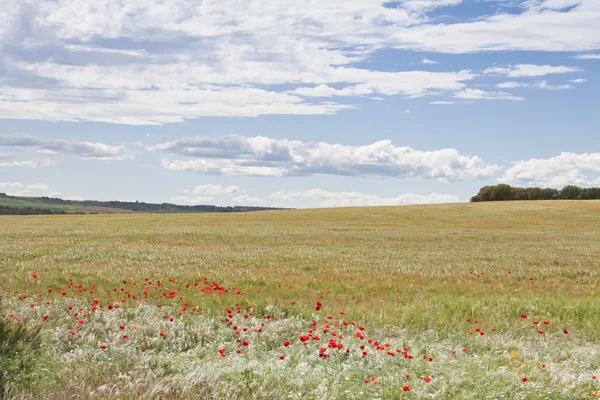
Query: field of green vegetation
<point x="492" y="300"/>
<point x="17" y="205"/>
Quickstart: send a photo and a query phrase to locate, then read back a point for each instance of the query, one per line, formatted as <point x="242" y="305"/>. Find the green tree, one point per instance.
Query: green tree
<point x="570" y="192"/>
<point x="501" y="192"/>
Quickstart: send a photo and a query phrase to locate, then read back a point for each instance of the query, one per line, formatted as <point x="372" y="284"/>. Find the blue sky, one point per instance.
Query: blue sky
<point x="298" y="104"/>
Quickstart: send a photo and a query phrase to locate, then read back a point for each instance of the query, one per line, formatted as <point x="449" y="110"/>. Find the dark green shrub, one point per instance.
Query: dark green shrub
<point x="19" y="348"/>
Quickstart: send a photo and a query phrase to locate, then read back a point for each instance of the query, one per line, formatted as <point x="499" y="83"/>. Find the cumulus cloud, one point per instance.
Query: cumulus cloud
<point x="530" y="70"/>
<point x="538" y="85"/>
<point x="325" y="198"/>
<point x="478" y="94"/>
<point x="28" y="163"/>
<point x="564" y="169"/>
<point x="203" y="193"/>
<point x="21" y="189"/>
<point x="588" y="57"/>
<point x="172" y="60"/>
<point x="428" y="61"/>
<point x="509" y="85"/>
<point x="59" y="195"/>
<point x="81" y="149"/>
<point x="263" y="156"/>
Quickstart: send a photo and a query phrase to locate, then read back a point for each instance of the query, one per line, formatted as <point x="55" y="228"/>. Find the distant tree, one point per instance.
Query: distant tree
<point x="504" y="192"/>
<point x="570" y="192"/>
<point x="483" y="195"/>
<point x="519" y="194"/>
<point x="589" y="194"/>
<point x="501" y="192"/>
<point x="550" y="194"/>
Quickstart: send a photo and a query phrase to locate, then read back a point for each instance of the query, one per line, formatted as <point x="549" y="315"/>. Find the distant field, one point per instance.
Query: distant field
<point x="416" y="278"/>
<point x="68" y="208"/>
<point x="16" y="205"/>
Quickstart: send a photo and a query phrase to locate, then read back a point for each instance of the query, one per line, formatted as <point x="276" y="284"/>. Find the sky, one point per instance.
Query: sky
<point x="303" y="103"/>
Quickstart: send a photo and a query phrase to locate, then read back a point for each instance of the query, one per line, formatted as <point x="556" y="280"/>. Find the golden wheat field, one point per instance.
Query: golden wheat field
<point x="494" y="300"/>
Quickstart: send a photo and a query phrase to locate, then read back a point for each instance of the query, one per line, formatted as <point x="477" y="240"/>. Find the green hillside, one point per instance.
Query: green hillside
<point x="15" y="205"/>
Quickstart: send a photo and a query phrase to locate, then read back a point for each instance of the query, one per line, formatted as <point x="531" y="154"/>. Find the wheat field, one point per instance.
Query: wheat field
<point x="462" y="301"/>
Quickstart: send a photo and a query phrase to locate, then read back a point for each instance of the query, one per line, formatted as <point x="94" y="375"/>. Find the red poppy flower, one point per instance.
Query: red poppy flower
<point x="45" y="317"/>
<point x="282" y="357"/>
<point x="536" y="322"/>
<point x="544" y="366"/>
<point x="406" y="388"/>
<point x="566" y="332"/>
<point x="103" y="347"/>
<point x="121" y="327"/>
<point x="34" y="276"/>
<point x="524" y="379"/>
<point x="546" y="322"/>
<point x="523" y="316"/>
<point x="162" y="333"/>
<point x="125" y="336"/>
<point x="286" y="343"/>
<point x="245" y="343"/>
<point x="541" y="332"/>
<point x="427" y="379"/>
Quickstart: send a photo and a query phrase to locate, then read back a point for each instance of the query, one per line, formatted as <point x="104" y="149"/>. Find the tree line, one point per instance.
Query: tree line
<point x="4" y="210"/>
<point x="505" y="192"/>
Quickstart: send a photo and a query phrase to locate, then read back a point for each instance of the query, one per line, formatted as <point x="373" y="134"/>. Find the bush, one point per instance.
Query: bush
<point x="570" y="192"/>
<point x="504" y="192"/>
<point x="19" y="348"/>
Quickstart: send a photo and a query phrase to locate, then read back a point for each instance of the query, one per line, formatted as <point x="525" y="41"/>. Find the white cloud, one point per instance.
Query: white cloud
<point x="202" y="193"/>
<point x="546" y="85"/>
<point x="579" y="80"/>
<point x="509" y="85"/>
<point x="29" y="164"/>
<point x="38" y="186"/>
<point x="21" y="189"/>
<point x="11" y="186"/>
<point x="588" y="57"/>
<point x="215" y="190"/>
<point x="478" y="94"/>
<point x="135" y="53"/>
<point x="50" y="147"/>
<point x="59" y="195"/>
<point x="441" y="102"/>
<point x="410" y="83"/>
<point x="536" y="85"/>
<point x="427" y="61"/>
<point x="262" y="156"/>
<point x="530" y="70"/>
<point x="325" y="198"/>
<point x="564" y="169"/>
<point x="170" y="60"/>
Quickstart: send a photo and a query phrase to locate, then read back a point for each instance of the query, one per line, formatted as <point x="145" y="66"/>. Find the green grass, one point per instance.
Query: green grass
<point x="410" y="274"/>
<point x="32" y="202"/>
